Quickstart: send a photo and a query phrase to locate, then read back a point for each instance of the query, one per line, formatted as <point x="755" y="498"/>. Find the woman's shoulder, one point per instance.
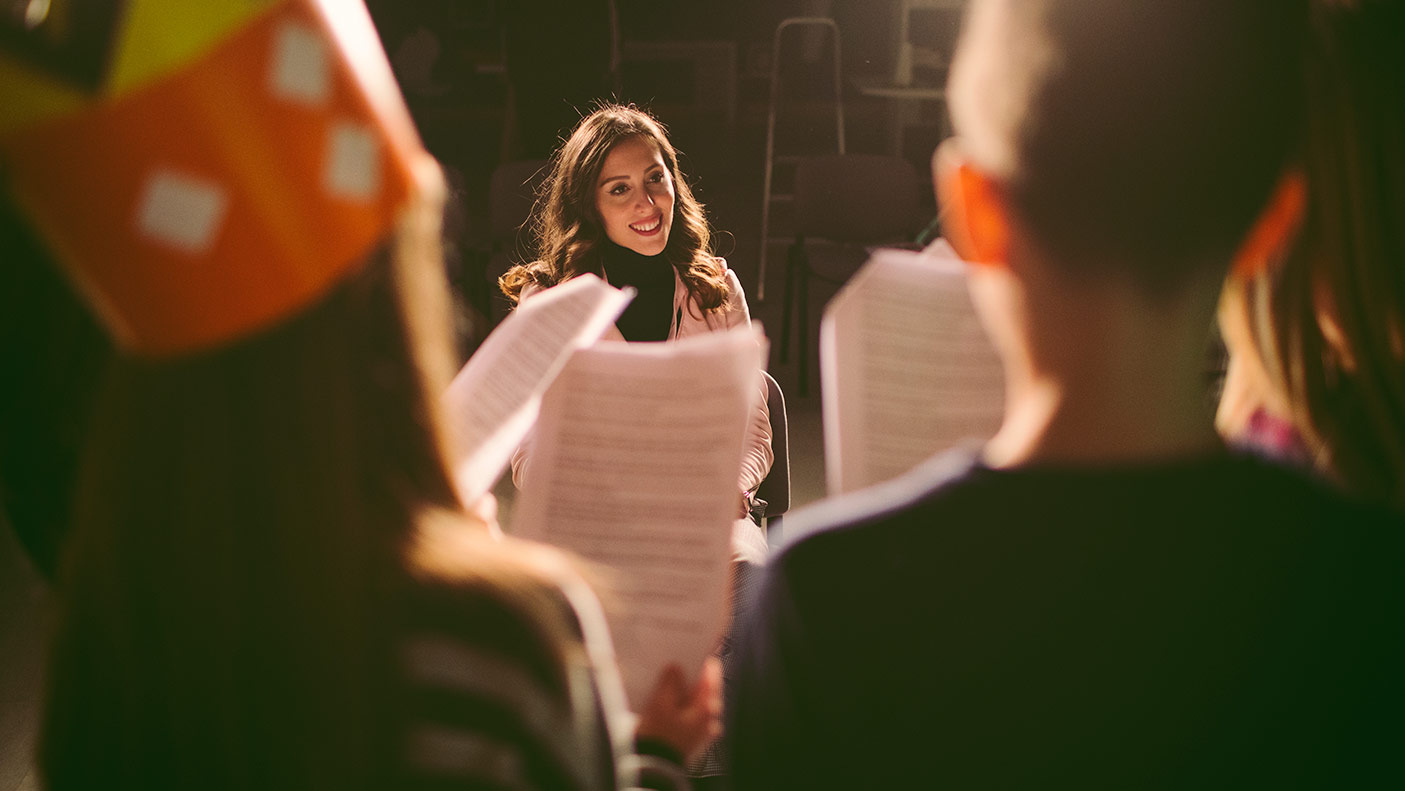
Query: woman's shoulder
<point x="729" y="274"/>
<point x="736" y="297"/>
<point x="724" y="279"/>
<point x="719" y="268"/>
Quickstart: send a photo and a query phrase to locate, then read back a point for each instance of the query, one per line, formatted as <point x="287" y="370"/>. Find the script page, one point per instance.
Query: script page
<point x="494" y="398"/>
<point x="635" y="468"/>
<point x="906" y="368"/>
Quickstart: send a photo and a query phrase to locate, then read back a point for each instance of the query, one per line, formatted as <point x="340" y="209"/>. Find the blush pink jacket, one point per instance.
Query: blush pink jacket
<point x="689" y="319"/>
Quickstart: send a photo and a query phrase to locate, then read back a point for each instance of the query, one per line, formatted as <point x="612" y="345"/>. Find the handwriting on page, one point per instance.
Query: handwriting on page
<point x="907" y="369"/>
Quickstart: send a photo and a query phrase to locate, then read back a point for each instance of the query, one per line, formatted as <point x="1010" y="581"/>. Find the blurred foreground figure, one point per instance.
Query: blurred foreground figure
<point x="1318" y="341"/>
<point x="52" y="353"/>
<point x="272" y="581"/>
<point x="1102" y="596"/>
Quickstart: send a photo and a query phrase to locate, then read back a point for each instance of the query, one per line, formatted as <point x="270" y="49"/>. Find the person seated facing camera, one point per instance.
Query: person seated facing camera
<point x="1103" y="596"/>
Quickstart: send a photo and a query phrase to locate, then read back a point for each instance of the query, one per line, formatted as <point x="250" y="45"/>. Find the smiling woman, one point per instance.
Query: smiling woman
<point x="617" y="162"/>
<point x="634" y="201"/>
<point x="616" y="205"/>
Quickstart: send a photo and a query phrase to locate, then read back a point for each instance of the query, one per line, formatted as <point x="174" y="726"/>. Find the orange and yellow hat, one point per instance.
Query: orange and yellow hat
<point x="202" y="169"/>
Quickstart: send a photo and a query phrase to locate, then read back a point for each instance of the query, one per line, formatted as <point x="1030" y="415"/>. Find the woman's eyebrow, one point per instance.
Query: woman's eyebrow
<point x="650" y="169"/>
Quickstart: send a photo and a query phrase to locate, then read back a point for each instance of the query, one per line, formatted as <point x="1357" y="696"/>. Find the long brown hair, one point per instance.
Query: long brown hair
<point x="567" y="227"/>
<point x="1331" y="320"/>
<point x="244" y="519"/>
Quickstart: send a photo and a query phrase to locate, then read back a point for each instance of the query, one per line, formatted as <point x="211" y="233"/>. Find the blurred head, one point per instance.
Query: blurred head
<point x="240" y="516"/>
<point x="155" y="185"/>
<point x="578" y="211"/>
<point x="250" y="482"/>
<point x="1132" y="142"/>
<point x="1326" y="324"/>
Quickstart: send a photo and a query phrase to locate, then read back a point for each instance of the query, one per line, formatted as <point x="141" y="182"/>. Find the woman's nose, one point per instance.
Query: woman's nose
<point x="645" y="201"/>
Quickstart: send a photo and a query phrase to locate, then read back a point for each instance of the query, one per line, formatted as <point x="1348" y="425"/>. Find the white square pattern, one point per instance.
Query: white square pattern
<point x="181" y="211"/>
<point x="301" y="69"/>
<point x="353" y="168"/>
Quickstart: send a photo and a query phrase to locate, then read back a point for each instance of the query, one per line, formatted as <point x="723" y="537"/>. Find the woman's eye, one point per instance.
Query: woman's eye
<point x="618" y="189"/>
<point x="656" y="178"/>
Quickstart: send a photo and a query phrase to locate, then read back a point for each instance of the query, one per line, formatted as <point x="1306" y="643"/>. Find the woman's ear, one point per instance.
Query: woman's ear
<point x="1272" y="233"/>
<point x="972" y="213"/>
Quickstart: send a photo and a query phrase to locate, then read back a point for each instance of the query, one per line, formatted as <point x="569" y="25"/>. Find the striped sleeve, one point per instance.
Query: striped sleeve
<point x="485" y="702"/>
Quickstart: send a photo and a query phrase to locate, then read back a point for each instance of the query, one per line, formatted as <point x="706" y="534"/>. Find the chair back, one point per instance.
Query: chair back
<point x="513" y="192"/>
<point x="775" y="490"/>
<point x="856" y="198"/>
<point x="924" y="50"/>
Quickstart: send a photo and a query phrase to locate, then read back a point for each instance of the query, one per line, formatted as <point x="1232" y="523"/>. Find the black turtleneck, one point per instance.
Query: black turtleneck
<point x="648" y="317"/>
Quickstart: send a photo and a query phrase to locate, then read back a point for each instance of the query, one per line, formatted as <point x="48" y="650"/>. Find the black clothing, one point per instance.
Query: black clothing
<point x="54" y="355"/>
<point x="1215" y="622"/>
<point x="649" y="316"/>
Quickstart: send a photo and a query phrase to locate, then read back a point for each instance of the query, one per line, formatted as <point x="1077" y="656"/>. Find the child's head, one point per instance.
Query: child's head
<point x="1325" y="328"/>
<point x="1126" y="140"/>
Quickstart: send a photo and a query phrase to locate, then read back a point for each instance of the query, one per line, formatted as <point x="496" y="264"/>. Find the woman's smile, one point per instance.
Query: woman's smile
<point x="648" y="228"/>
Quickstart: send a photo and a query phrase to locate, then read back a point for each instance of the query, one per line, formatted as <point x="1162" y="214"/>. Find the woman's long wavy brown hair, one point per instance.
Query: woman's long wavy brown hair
<point x="567" y="227"/>
<point x="1330" y="323"/>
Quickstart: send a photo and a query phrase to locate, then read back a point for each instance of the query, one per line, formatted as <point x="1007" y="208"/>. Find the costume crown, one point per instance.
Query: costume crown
<point x="202" y="170"/>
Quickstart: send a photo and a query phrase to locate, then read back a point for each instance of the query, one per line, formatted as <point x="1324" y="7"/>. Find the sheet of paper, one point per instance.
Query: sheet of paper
<point x="634" y="467"/>
<point x="906" y="368"/>
<point x="494" y="398"/>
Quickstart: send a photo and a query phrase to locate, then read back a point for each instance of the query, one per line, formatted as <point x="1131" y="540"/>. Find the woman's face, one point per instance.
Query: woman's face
<point x="634" y="197"/>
